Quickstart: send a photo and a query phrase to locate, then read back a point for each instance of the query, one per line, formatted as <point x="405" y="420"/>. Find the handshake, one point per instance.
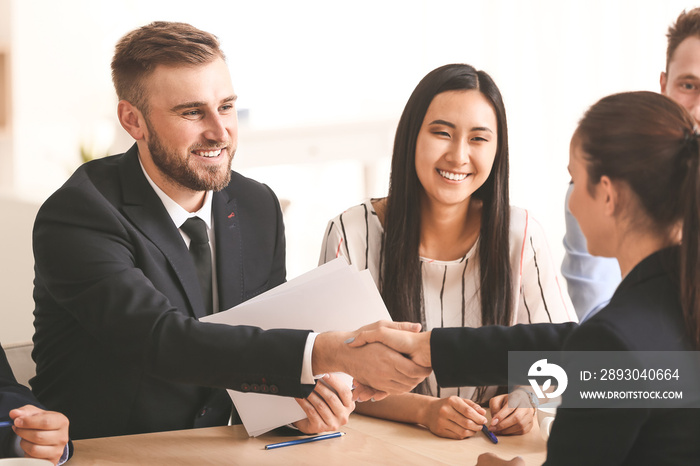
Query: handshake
<point x="385" y="358"/>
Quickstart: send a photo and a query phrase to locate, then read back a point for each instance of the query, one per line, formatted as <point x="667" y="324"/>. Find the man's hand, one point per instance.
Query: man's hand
<point x="412" y="344"/>
<point x="373" y="365"/>
<point x="43" y="434"/>
<point x="328" y="407"/>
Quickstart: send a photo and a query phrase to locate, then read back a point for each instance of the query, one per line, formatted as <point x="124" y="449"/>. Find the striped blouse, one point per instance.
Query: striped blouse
<point x="451" y="288"/>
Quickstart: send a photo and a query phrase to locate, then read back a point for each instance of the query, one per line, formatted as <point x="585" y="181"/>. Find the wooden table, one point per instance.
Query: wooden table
<point x="368" y="441"/>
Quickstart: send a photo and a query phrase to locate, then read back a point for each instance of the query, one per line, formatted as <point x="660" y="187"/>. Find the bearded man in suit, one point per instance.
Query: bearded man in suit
<point x="118" y="344"/>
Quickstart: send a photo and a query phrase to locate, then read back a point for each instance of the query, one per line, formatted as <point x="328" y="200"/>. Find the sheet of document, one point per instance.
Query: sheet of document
<point x="333" y="296"/>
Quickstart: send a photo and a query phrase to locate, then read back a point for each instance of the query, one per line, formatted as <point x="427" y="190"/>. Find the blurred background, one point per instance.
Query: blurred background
<point x="321" y="86"/>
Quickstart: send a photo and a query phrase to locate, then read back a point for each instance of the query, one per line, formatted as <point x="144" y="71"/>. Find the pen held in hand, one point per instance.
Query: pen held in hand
<point x="489" y="434"/>
<point x="5" y="424"/>
<point x="304" y="440"/>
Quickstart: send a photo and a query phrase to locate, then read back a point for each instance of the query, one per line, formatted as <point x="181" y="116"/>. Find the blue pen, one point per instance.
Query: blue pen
<point x="5" y="424"/>
<point x="489" y="434"/>
<point x="304" y="440"/>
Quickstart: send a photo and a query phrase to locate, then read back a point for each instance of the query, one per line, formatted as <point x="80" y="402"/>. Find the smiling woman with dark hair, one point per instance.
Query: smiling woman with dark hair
<point x="445" y="247"/>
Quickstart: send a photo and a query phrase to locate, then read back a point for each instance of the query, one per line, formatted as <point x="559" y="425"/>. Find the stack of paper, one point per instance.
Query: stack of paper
<point x="333" y="296"/>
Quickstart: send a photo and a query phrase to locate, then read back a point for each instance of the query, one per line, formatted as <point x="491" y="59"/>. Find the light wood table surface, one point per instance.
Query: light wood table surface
<point x="367" y="441"/>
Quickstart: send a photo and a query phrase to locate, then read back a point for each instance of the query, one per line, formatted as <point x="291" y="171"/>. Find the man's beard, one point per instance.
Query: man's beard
<point x="179" y="170"/>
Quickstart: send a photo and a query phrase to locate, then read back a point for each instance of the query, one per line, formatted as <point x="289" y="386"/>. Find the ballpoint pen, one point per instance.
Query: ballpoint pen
<point x="489" y="434"/>
<point x="304" y="440"/>
<point x="5" y="424"/>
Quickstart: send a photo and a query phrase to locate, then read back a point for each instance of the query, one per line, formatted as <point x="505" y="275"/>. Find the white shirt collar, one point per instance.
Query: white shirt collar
<point x="175" y="210"/>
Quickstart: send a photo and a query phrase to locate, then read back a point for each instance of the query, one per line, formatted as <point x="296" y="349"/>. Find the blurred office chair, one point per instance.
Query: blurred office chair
<point x="19" y="355"/>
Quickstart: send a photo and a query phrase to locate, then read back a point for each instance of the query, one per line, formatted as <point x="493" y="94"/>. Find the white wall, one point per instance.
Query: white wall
<point x="314" y="68"/>
<point x="6" y="174"/>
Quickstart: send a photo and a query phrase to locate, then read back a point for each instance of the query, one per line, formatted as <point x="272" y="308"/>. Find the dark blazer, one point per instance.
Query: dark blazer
<point x="118" y="346"/>
<point x="644" y="314"/>
<point x="479" y="356"/>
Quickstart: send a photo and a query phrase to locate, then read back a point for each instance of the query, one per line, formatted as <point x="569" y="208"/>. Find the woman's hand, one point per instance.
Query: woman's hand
<point x="507" y="420"/>
<point x="454" y="417"/>
<point x="328" y="407"/>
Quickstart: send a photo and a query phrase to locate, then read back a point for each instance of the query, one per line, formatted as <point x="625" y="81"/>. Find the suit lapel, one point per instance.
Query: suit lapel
<point x="229" y="254"/>
<point x="145" y="210"/>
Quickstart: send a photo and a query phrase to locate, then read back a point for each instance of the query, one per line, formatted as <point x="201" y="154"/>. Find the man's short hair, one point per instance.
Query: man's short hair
<point x="140" y="51"/>
<point x="687" y="24"/>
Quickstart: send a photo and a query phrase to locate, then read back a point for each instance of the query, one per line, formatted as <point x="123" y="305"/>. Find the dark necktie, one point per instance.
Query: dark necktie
<point x="196" y="229"/>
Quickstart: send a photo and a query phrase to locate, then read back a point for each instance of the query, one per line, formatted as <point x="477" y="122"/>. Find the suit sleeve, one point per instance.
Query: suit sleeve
<point x="584" y="436"/>
<point x="12" y="395"/>
<point x="479" y="356"/>
<point x="90" y="263"/>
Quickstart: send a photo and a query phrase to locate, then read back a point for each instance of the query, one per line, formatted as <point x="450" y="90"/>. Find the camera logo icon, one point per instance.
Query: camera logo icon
<point x="541" y="369"/>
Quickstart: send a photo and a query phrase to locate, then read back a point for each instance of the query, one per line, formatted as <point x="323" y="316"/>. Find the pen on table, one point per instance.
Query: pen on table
<point x="5" y="424"/>
<point x="489" y="434"/>
<point x="304" y="440"/>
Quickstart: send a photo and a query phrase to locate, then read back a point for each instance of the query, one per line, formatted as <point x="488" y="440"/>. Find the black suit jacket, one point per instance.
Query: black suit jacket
<point x="118" y="345"/>
<point x="644" y="314"/>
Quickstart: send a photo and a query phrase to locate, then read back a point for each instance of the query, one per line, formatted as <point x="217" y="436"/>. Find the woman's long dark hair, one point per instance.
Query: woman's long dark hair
<point x="400" y="277"/>
<point x="651" y="143"/>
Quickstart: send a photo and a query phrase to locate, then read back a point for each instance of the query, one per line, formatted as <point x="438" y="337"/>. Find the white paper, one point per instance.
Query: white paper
<point x="333" y="296"/>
